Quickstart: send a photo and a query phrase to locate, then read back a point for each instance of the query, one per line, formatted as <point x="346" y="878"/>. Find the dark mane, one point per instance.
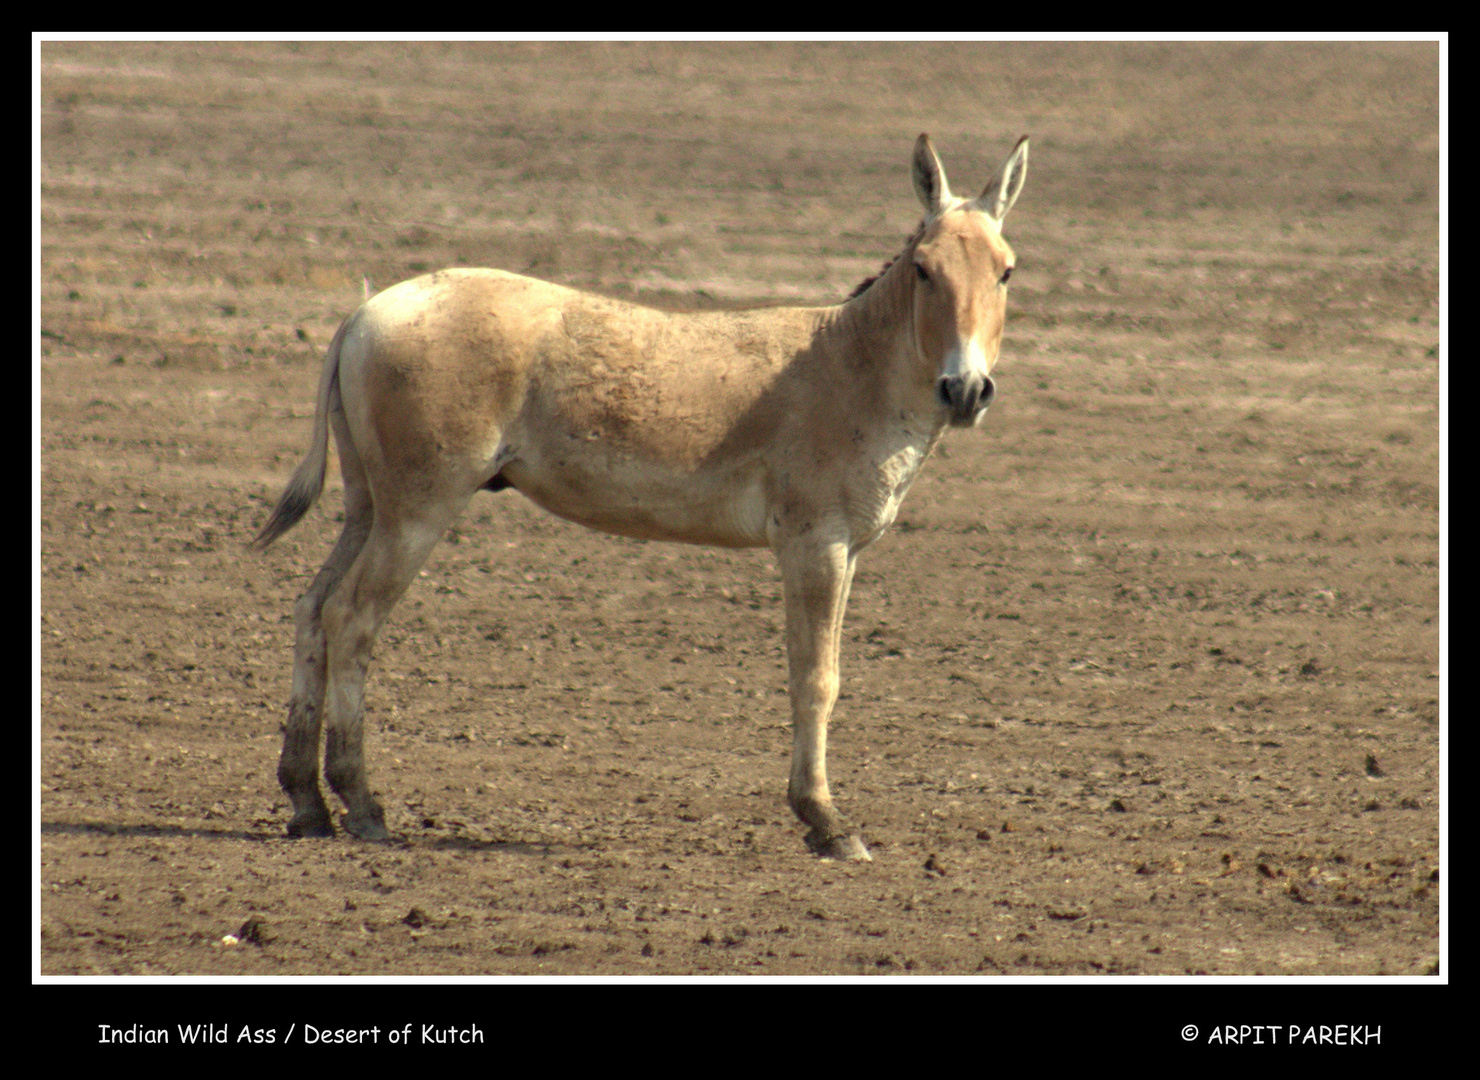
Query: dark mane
<point x="866" y="282"/>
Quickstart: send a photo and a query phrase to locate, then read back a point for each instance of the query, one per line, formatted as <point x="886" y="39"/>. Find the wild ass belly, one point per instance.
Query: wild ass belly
<point x="725" y="504"/>
<point x="644" y="499"/>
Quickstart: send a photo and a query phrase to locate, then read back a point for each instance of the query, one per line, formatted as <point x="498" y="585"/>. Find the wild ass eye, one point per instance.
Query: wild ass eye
<point x="921" y="272"/>
<point x="1005" y="275"/>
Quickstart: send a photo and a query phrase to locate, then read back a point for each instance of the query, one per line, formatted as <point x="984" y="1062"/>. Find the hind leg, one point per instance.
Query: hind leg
<point x="393" y="552"/>
<point x="298" y="767"/>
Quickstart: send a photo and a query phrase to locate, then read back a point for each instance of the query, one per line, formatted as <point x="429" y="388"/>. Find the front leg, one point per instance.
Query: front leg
<point x="816" y="575"/>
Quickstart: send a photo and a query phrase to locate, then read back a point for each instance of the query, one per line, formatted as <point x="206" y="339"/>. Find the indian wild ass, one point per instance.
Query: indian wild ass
<point x="797" y="428"/>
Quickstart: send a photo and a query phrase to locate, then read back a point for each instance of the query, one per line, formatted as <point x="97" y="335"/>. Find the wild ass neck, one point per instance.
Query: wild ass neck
<point x="875" y="331"/>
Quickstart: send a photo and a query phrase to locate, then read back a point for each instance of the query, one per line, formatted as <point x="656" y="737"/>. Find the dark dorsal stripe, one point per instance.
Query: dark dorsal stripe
<point x="866" y="282"/>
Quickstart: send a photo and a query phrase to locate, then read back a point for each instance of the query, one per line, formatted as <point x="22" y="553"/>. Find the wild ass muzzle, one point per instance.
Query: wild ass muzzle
<point x="800" y="429"/>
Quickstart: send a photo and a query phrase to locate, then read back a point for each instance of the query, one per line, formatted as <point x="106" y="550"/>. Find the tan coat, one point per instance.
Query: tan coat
<point x="797" y="428"/>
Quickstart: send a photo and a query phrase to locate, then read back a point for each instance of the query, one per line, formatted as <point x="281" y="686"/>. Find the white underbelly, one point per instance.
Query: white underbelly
<point x="728" y="511"/>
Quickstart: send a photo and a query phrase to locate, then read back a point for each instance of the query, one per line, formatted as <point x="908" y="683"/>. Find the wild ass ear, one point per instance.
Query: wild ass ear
<point x="929" y="177"/>
<point x="1001" y="193"/>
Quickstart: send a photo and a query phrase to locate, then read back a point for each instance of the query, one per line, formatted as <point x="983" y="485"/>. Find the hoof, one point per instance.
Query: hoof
<point x="845" y="847"/>
<point x="366" y="826"/>
<point x="311" y="823"/>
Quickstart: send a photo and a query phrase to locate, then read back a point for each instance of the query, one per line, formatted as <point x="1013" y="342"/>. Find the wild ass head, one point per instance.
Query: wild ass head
<point x="961" y="267"/>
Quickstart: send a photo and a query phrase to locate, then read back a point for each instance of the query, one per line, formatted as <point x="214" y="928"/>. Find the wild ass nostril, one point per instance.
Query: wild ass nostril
<point x="965" y="395"/>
